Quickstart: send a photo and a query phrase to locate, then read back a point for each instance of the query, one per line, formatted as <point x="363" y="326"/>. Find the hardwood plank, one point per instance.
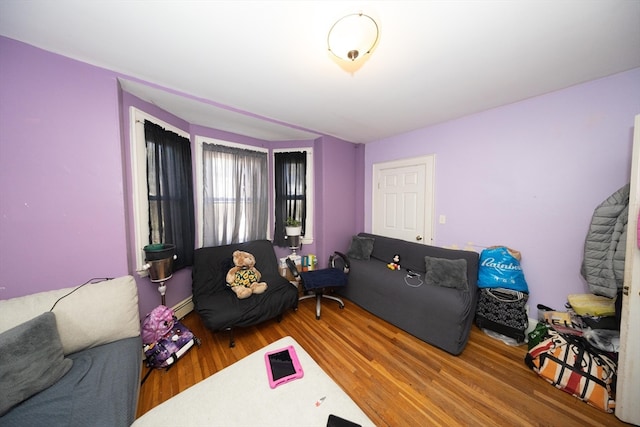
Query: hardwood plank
<point x="394" y="377"/>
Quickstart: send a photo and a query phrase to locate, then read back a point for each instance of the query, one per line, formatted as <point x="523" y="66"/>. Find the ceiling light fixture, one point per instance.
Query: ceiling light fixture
<point x="353" y="36"/>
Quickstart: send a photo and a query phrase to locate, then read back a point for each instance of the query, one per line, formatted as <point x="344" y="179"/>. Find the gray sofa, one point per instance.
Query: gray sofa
<point x="77" y="364"/>
<point x="438" y="306"/>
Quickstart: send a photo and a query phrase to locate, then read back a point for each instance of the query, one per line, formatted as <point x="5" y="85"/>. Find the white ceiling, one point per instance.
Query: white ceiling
<point x="262" y="68"/>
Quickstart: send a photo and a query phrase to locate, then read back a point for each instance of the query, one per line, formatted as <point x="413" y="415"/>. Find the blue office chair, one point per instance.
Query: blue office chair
<point x="318" y="281"/>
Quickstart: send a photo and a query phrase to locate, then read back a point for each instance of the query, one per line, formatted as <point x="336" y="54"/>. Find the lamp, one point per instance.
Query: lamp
<point x="159" y="262"/>
<point x="294" y="243"/>
<point x="353" y="36"/>
<point x="292" y="232"/>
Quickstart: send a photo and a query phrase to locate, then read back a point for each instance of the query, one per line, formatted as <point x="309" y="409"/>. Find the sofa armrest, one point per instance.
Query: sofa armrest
<point x="95" y="314"/>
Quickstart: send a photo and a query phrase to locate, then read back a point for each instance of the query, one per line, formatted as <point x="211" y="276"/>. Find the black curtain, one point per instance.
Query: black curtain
<point x="170" y="184"/>
<point x="291" y="187"/>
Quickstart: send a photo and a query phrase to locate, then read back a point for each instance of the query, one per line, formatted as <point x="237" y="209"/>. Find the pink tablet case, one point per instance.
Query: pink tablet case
<point x="298" y="372"/>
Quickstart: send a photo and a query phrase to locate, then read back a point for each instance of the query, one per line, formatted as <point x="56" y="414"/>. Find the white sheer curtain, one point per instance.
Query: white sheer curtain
<point x="235" y="195"/>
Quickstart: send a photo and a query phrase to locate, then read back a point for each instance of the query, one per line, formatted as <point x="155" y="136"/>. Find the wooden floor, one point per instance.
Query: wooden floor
<point x="395" y="378"/>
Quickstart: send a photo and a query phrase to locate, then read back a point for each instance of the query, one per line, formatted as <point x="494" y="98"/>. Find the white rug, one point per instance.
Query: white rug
<point x="239" y="395"/>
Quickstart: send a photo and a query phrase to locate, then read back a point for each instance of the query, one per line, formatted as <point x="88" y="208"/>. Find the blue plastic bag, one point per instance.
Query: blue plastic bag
<point x="499" y="268"/>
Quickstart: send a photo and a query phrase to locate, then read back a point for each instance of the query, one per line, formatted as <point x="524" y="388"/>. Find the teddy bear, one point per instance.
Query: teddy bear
<point x="244" y="278"/>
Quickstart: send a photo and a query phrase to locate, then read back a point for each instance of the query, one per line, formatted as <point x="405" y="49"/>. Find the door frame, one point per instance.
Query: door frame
<point x="429" y="193"/>
<point x="628" y="387"/>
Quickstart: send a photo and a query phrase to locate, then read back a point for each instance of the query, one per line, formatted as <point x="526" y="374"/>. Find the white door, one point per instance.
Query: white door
<point x="628" y="387"/>
<point x="403" y="199"/>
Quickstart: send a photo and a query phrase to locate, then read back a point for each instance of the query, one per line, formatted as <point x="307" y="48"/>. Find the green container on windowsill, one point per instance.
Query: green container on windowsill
<point x="158" y="251"/>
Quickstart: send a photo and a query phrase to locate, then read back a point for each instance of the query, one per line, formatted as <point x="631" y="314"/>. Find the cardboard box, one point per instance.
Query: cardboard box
<point x="284" y="270"/>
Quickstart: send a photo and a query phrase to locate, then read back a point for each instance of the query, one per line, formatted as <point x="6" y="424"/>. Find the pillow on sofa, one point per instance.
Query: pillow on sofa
<point x="31" y="360"/>
<point x="361" y="247"/>
<point x="449" y="273"/>
<point x="88" y="316"/>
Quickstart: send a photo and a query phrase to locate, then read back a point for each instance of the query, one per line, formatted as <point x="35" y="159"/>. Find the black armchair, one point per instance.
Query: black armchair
<point x="219" y="307"/>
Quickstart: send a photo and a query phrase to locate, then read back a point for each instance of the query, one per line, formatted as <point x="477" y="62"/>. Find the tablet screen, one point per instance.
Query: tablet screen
<point x="281" y="365"/>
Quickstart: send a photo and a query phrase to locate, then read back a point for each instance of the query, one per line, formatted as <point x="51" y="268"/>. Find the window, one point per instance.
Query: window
<point x="293" y="173"/>
<point x="234" y="192"/>
<point x="157" y="203"/>
<point x="170" y="191"/>
<point x="232" y="189"/>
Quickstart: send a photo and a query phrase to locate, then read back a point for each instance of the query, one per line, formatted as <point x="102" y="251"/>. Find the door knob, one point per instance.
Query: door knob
<point x="418" y="237"/>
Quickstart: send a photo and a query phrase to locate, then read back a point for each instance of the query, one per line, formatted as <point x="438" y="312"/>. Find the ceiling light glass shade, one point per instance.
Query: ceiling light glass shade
<point x="353" y="36"/>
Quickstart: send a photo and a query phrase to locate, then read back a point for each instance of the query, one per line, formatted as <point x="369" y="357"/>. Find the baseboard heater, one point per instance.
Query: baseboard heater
<point x="184" y="307"/>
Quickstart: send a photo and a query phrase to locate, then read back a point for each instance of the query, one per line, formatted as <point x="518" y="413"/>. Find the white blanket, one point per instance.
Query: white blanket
<point x="239" y="395"/>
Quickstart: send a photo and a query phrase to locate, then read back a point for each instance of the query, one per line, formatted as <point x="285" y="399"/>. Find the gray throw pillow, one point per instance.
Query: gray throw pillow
<point x="361" y="247"/>
<point x="31" y="360"/>
<point x="449" y="273"/>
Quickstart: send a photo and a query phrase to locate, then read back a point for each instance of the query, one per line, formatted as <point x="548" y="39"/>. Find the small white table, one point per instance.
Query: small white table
<point x="239" y="395"/>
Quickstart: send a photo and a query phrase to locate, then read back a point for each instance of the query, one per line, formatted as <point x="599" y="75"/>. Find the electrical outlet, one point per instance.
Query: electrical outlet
<point x="443" y="219"/>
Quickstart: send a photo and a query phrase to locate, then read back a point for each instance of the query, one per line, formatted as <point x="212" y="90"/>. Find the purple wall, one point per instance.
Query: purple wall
<point x="528" y="175"/>
<point x="65" y="209"/>
<point x="338" y="219"/>
<point x="61" y="199"/>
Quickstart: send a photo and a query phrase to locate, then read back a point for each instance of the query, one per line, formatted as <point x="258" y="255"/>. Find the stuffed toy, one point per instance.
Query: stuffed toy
<point x="395" y="265"/>
<point x="244" y="278"/>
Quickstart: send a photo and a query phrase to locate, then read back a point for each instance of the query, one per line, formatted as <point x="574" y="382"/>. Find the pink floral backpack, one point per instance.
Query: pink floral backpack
<point x="157" y="324"/>
<point x="165" y="339"/>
